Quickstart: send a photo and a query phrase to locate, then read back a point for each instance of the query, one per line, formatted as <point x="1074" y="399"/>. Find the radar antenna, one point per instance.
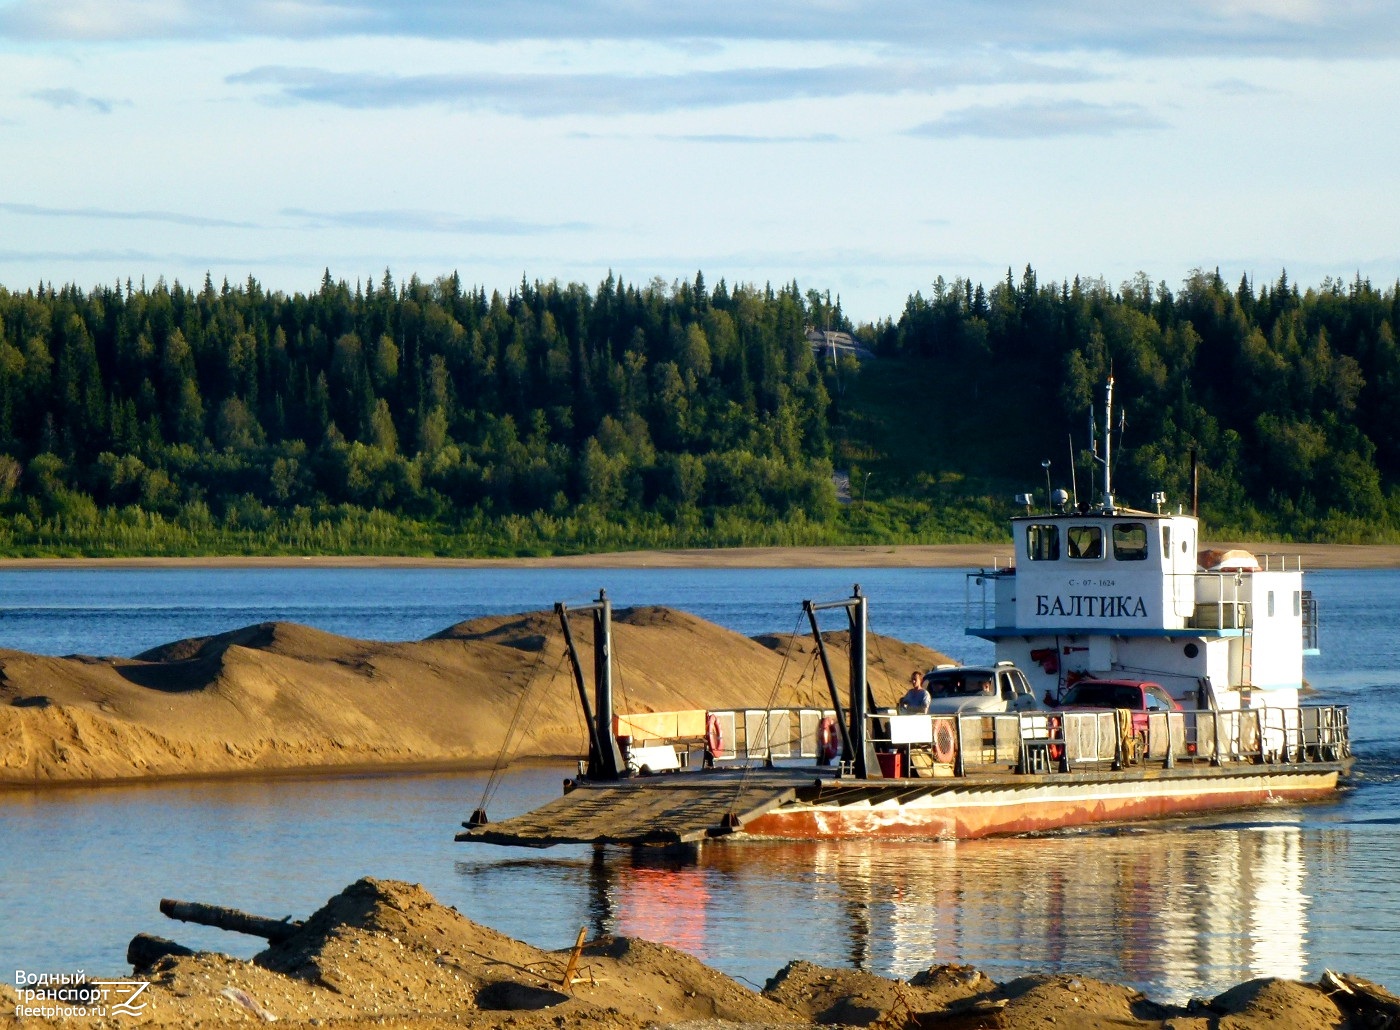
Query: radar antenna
<point x="1107" y="459"/>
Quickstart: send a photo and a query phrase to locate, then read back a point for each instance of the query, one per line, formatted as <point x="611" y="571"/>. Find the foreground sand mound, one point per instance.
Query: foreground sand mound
<point x="383" y="949"/>
<point x="383" y="952"/>
<point x="850" y="998"/>
<point x="279" y="696"/>
<point x="961" y="998"/>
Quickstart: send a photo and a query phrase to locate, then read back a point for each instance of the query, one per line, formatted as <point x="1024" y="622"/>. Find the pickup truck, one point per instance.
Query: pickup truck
<point x="979" y="688"/>
<point x="1138" y="696"/>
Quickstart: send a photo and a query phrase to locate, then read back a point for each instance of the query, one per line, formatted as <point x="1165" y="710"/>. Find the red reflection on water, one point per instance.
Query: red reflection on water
<point x="669" y="906"/>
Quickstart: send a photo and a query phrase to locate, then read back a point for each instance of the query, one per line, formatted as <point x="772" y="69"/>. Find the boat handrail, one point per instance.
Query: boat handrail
<point x="1267" y="562"/>
<point x="1051" y="740"/>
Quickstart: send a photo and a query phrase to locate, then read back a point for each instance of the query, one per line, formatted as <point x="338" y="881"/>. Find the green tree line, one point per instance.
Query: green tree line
<point x="1289" y="398"/>
<point x="429" y="418"/>
<point x="235" y="410"/>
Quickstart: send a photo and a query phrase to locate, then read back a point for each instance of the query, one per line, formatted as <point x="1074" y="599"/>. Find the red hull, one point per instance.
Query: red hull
<point x="968" y="814"/>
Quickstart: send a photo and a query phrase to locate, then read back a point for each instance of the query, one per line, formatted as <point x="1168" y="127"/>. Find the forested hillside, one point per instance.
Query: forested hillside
<point x="1291" y="397"/>
<point x="428" y="418"/>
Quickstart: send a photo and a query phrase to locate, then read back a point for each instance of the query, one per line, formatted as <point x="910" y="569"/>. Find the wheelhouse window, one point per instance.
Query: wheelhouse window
<point x="1085" y="541"/>
<point x="1130" y="541"/>
<point x="959" y="683"/>
<point x="1043" y="543"/>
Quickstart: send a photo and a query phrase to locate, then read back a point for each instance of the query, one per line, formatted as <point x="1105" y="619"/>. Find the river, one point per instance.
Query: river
<point x="1179" y="909"/>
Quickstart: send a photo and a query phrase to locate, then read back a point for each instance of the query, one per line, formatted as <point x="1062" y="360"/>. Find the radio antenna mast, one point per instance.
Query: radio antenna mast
<point x="1107" y="459"/>
<point x="1073" y="473"/>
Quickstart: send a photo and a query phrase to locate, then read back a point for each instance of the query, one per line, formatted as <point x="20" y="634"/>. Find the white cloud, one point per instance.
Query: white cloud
<point x="66" y="97"/>
<point x="1341" y="28"/>
<point x="100" y="20"/>
<point x="752" y="141"/>
<point x="431" y="221"/>
<point x="1041" y="119"/>
<point x="116" y="214"/>
<point x="535" y="95"/>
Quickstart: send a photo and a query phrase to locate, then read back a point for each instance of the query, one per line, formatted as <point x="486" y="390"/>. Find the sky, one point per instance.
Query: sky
<point x="860" y="147"/>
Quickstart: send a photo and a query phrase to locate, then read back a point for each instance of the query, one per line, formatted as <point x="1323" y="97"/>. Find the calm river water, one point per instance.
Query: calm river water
<point x="1179" y="909"/>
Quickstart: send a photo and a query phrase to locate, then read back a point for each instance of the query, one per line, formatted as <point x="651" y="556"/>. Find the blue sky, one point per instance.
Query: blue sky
<point x="859" y="147"/>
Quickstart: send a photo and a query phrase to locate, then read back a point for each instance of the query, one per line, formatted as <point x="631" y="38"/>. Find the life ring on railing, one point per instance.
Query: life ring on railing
<point x="828" y="740"/>
<point x="1054" y="728"/>
<point x="945" y="741"/>
<point x="714" y="738"/>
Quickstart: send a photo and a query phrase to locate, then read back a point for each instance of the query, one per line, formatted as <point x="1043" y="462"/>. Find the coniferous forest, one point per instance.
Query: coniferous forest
<point x="430" y="418"/>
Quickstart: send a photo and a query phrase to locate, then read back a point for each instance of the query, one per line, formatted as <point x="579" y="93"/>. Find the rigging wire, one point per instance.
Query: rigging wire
<point x="880" y="658"/>
<point x="767" y="720"/>
<point x="619" y="679"/>
<point x="493" y="781"/>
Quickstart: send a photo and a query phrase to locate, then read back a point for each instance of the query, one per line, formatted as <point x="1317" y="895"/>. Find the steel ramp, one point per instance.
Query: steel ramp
<point x="650" y="810"/>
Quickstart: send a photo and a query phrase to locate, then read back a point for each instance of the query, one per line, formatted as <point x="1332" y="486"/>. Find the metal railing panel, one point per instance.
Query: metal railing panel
<point x="808" y="721"/>
<point x="1305" y="734"/>
<point x="755" y="733"/>
<point x="779" y="730"/>
<point x="729" y="741"/>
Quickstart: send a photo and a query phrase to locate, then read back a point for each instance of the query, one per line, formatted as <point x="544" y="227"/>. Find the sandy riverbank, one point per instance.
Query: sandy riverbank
<point x="971" y="556"/>
<point x="384" y="952"/>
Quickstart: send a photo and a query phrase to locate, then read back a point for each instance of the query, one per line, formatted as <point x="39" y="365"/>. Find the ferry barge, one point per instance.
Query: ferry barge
<point x="1098" y="593"/>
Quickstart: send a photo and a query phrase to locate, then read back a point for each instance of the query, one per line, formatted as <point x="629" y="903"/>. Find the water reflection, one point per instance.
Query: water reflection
<point x="1178" y="914"/>
<point x="1176" y="909"/>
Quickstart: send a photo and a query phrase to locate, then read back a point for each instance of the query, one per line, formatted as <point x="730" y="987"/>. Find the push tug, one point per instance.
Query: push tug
<point x="1097" y="593"/>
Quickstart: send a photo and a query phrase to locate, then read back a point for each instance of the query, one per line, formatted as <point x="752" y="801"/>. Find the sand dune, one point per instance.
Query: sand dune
<point x="281" y="696"/>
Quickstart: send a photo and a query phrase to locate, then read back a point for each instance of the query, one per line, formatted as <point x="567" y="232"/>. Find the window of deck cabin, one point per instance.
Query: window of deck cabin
<point x="1085" y="541"/>
<point x="1130" y="541"/>
<point x="1043" y="543"/>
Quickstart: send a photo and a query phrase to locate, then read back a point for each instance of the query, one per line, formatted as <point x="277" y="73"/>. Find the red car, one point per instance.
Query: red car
<point x="1139" y="696"/>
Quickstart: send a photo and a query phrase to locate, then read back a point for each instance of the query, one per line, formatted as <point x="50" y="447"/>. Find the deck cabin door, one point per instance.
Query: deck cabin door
<point x="1179" y="560"/>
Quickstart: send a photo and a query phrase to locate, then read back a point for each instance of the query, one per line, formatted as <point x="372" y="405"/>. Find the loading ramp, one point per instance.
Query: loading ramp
<point x="650" y="810"/>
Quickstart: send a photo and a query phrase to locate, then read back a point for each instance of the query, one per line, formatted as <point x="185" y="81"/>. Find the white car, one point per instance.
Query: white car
<point x="979" y="688"/>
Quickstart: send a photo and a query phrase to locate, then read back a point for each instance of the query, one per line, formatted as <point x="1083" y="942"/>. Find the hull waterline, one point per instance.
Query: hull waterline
<point x="972" y="811"/>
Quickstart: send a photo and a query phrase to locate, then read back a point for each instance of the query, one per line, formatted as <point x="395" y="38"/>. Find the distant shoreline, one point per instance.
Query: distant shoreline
<point x="943" y="556"/>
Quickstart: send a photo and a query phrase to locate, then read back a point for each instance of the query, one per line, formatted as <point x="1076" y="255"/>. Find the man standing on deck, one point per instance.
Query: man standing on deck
<point x="918" y="699"/>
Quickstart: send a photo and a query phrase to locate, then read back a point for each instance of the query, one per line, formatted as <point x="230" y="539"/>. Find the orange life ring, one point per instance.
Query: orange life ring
<point x="1054" y="729"/>
<point x="828" y="740"/>
<point x="714" y="738"/>
<point x="945" y="741"/>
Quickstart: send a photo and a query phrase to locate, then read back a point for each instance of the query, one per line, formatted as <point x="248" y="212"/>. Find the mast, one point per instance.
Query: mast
<point x="1108" y="445"/>
<point x="856" y="746"/>
<point x="1107" y="459"/>
<point x="604" y="758"/>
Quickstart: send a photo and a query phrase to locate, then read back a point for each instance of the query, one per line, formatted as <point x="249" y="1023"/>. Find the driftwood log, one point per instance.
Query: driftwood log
<point x="273" y="930"/>
<point x="1373" y="1004"/>
<point x="146" y="949"/>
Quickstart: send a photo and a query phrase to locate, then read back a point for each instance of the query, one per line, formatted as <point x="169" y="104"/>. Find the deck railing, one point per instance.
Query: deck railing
<point x="1041" y="741"/>
<point x="744" y="733"/>
<point x="1051" y="741"/>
